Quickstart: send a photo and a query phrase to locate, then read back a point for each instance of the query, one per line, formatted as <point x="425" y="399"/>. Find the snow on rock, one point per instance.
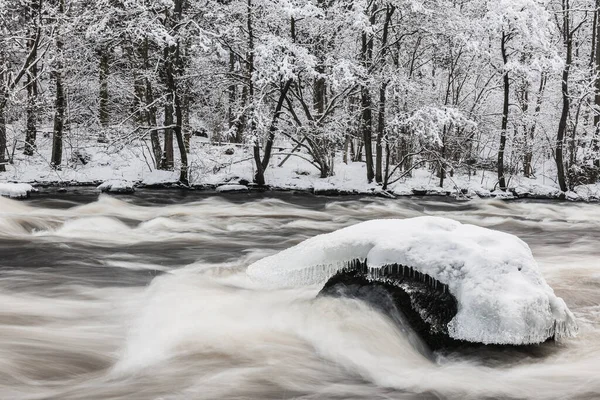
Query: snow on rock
<point x="588" y="192"/>
<point x="483" y="193"/>
<point x="16" y="190"/>
<point x="232" y="188"/>
<point x="499" y="194"/>
<point x="536" y="190"/>
<point x="117" y="186"/>
<point x="430" y="190"/>
<point x="572" y="196"/>
<point x="501" y="294"/>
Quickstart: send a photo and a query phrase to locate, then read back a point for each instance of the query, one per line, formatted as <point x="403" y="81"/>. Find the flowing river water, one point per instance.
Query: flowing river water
<point x="146" y="297"/>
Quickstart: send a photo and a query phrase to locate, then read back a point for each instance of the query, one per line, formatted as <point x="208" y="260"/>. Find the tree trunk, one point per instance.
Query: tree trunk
<point x="240" y="122"/>
<point x="151" y="108"/>
<point x="3" y="106"/>
<point x="367" y="128"/>
<point x="103" y="113"/>
<point x="442" y="173"/>
<point x="387" y="166"/>
<point x="366" y="101"/>
<point x="32" y="79"/>
<point x="31" y="113"/>
<point x="139" y="88"/>
<point x="183" y="172"/>
<point x="358" y="154"/>
<point x="59" y="118"/>
<point x="562" y="125"/>
<point x="566" y="102"/>
<point x="3" y="99"/>
<point x="347" y="143"/>
<point x="594" y="35"/>
<point x="501" y="178"/>
<point x="320" y="144"/>
<point x="538" y="107"/>
<point x="259" y="177"/>
<point x="381" y="111"/>
<point x="151" y="116"/>
<point x="527" y="160"/>
<point x="232" y="97"/>
<point x="175" y="73"/>
<point x="273" y="128"/>
<point x="59" y="113"/>
<point x="380" y="134"/>
<point x="596" y="138"/>
<point x="167" y="157"/>
<point x="527" y="155"/>
<point x="186" y="127"/>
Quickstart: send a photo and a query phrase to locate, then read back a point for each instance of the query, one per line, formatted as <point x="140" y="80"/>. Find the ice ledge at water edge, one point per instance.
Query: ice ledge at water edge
<point x="15" y="190"/>
<point x="501" y="294"/>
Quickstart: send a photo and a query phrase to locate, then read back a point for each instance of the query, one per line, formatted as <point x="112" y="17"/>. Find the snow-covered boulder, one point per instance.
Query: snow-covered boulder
<point x="232" y="188"/>
<point x="481" y="192"/>
<point x="117" y="186"/>
<point x="588" y="192"/>
<point x="16" y="190"/>
<point x="502" y="195"/>
<point x="500" y="293"/>
<point x="537" y="190"/>
<point x="572" y="196"/>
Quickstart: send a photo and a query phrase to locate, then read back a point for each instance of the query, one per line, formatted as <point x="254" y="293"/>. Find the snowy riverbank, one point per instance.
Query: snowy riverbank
<point x="213" y="166"/>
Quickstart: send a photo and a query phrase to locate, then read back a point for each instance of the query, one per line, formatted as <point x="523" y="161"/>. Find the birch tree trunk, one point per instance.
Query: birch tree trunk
<point x="506" y="91"/>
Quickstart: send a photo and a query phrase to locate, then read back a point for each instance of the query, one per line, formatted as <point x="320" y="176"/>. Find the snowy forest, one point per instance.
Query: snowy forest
<point x="504" y="89"/>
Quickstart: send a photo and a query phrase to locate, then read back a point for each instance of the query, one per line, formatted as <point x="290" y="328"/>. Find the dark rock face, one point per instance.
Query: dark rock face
<point x="401" y="293"/>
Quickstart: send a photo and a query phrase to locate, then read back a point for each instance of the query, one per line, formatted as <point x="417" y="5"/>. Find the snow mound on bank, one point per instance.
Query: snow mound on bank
<point x="16" y="190"/>
<point x="501" y="294"/>
<point x="231" y="188"/>
<point x="117" y="186"/>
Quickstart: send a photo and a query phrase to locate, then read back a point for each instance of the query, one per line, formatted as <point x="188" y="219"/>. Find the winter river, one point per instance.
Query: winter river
<point x="146" y="297"/>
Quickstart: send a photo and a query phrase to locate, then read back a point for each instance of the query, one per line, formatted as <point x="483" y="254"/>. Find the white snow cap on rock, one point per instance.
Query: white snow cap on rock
<point x="232" y="188"/>
<point x="501" y="294"/>
<point x="16" y="190"/>
<point x="117" y="186"/>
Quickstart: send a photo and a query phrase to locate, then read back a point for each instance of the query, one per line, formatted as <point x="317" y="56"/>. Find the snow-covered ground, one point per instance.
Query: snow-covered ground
<point x="211" y="165"/>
